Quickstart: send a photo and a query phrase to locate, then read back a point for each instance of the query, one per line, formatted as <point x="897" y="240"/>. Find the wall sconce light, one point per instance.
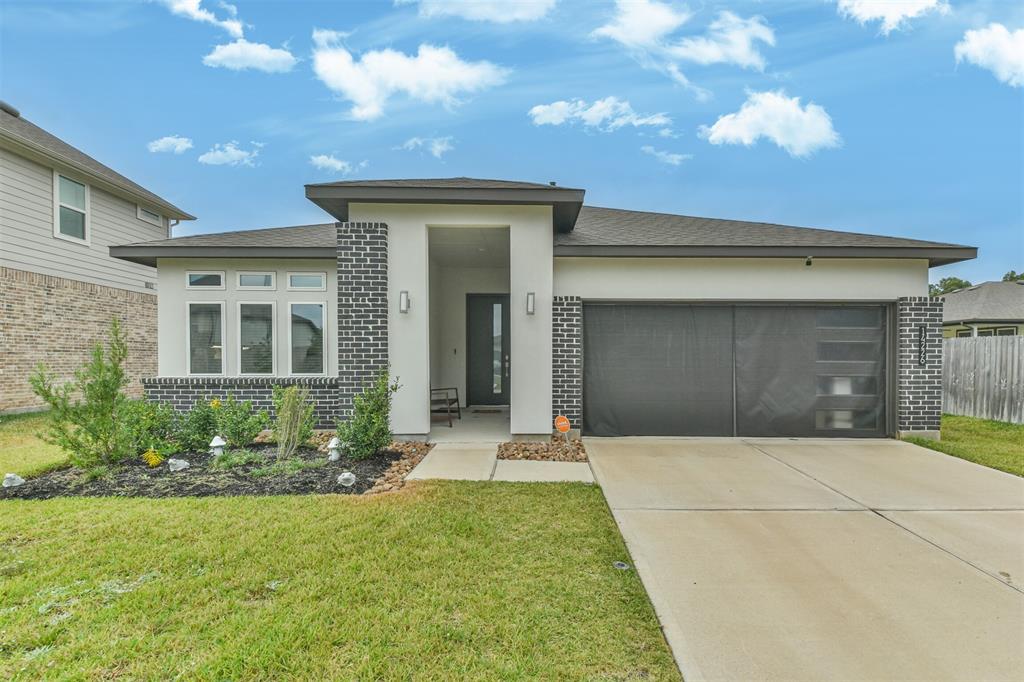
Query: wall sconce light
<point x="531" y="303"/>
<point x="403" y="302"/>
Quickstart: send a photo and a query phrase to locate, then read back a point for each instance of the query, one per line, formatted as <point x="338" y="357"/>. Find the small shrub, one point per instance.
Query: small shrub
<point x="293" y="425"/>
<point x="197" y="427"/>
<point x="238" y="423"/>
<point x="151" y="426"/>
<point x="368" y="429"/>
<point x="152" y="458"/>
<point x="229" y="459"/>
<point x="92" y="430"/>
<point x="284" y="467"/>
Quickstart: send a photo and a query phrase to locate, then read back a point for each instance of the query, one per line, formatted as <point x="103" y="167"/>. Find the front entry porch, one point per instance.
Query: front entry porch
<point x="479" y="424"/>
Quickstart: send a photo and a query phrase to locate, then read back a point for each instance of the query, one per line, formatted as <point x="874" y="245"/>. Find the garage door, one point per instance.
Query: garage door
<point x="746" y="370"/>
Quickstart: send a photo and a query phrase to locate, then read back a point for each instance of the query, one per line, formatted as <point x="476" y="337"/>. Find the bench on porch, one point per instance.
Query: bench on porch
<point x="442" y="400"/>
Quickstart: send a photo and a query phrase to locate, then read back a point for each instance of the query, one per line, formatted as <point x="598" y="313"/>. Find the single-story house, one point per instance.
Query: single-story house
<point x="626" y="322"/>
<point x="987" y="309"/>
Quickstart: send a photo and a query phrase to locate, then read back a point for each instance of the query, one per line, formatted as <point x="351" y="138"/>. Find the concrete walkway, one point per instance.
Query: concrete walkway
<point x="814" y="560"/>
<point x="479" y="462"/>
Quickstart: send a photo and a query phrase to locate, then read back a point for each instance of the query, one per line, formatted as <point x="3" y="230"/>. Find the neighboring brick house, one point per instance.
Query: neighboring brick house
<point x="531" y="304"/>
<point x="60" y="211"/>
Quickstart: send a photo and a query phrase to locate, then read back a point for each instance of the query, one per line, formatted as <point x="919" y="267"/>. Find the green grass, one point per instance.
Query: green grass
<point x="229" y="459"/>
<point x="443" y="581"/>
<point x="998" y="445"/>
<point x="284" y="467"/>
<point x="22" y="451"/>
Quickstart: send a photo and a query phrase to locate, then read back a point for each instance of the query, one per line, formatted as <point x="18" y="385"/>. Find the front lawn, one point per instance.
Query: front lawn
<point x="22" y="451"/>
<point x="446" y="581"/>
<point x="999" y="445"/>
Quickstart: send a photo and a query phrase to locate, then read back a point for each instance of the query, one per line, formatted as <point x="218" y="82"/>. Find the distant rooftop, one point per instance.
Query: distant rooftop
<point x="986" y="302"/>
<point x="445" y="183"/>
<point x="15" y="128"/>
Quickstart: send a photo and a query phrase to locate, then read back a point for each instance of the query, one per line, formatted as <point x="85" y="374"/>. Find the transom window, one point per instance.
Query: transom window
<point x="149" y="216"/>
<point x="307" y="281"/>
<point x="256" y="280"/>
<point x="206" y="338"/>
<point x="204" y="280"/>
<point x="71" y="209"/>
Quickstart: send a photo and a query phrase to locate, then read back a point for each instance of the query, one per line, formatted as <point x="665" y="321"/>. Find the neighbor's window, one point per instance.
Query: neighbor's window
<point x="204" y="280"/>
<point x="963" y="333"/>
<point x="256" y="280"/>
<point x="256" y="338"/>
<point x="312" y="281"/>
<point x="306" y="338"/>
<point x="148" y="216"/>
<point x="71" y="214"/>
<point x="1006" y="331"/>
<point x="206" y="338"/>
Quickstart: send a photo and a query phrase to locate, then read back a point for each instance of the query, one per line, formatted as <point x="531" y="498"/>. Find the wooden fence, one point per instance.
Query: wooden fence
<point x="984" y="377"/>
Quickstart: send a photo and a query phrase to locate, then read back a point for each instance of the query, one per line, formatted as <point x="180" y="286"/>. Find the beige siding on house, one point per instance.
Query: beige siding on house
<point x="26" y="229"/>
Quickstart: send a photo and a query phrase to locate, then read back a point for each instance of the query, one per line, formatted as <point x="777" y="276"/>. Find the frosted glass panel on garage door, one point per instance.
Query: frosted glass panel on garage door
<point x="657" y="370"/>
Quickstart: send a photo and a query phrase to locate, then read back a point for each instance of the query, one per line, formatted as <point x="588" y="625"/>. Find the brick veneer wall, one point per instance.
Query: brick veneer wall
<point x="362" y="308"/>
<point x="57" y="321"/>
<point x="182" y="392"/>
<point x="919" y="387"/>
<point x="567" y="358"/>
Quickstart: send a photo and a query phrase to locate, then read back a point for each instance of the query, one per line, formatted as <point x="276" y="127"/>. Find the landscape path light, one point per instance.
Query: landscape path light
<point x="217" y="446"/>
<point x="332" y="450"/>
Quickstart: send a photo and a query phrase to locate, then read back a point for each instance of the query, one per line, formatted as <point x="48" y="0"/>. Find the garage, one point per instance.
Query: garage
<point x="672" y="369"/>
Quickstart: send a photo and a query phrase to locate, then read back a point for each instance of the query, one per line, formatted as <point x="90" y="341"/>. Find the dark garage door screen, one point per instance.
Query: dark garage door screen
<point x="757" y="370"/>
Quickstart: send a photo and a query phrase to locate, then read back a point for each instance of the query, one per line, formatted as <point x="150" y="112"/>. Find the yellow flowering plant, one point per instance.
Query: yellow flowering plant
<point x="152" y="458"/>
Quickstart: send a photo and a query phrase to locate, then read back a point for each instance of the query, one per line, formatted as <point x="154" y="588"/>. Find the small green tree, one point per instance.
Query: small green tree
<point x="91" y="429"/>
<point x="368" y="429"/>
<point x="947" y="285"/>
<point x="238" y="423"/>
<point x="197" y="427"/>
<point x="293" y="423"/>
<point x="1013" y="276"/>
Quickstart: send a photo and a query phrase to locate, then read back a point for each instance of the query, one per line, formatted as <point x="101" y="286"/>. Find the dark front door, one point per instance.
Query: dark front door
<point x="488" y="348"/>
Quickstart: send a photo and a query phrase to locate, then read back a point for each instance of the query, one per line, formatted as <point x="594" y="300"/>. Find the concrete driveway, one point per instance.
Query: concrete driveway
<point x="811" y="559"/>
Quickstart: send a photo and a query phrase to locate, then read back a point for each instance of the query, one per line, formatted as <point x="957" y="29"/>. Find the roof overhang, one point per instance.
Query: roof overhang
<point x="934" y="255"/>
<point x="565" y="202"/>
<point x="147" y="255"/>
<point x="966" y="323"/>
<point x="24" y="146"/>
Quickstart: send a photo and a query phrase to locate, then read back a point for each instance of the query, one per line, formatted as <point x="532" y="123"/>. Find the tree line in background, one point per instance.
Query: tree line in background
<point x="949" y="284"/>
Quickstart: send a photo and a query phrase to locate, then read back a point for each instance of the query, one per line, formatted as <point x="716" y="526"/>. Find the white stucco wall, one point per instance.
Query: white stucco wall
<point x="173" y="297"/>
<point x="740" y="279"/>
<point x="409" y="336"/>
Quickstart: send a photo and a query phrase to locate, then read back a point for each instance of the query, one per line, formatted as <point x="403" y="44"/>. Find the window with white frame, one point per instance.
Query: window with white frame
<point x="307" y="281"/>
<point x="204" y="280"/>
<point x="255" y="338"/>
<point x="306" y="338"/>
<point x="149" y="216"/>
<point x="70" y="209"/>
<point x="206" y="338"/>
<point x="251" y="281"/>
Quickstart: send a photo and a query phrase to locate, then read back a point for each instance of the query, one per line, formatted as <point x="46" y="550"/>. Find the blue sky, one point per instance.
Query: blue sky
<point x="900" y="117"/>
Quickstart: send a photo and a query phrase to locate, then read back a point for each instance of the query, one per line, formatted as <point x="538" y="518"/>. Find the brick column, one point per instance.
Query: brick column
<point x="362" y="308"/>
<point x="919" y="366"/>
<point x="567" y="358"/>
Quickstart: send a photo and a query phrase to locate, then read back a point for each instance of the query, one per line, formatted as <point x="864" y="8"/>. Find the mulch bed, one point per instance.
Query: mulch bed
<point x="557" y="450"/>
<point x="136" y="479"/>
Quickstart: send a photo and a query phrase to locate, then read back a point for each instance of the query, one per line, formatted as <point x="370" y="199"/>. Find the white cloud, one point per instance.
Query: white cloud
<point x="801" y="131"/>
<point x="432" y="75"/>
<point x="193" y="9"/>
<point x="608" y="114"/>
<point x="997" y="49"/>
<point x="892" y="13"/>
<point x="497" y="11"/>
<point x="646" y="28"/>
<point x="731" y="40"/>
<point x="329" y="162"/>
<point x="670" y="158"/>
<point x="242" y="54"/>
<point x="230" y="154"/>
<point x="170" y="143"/>
<point x="437" y="146"/>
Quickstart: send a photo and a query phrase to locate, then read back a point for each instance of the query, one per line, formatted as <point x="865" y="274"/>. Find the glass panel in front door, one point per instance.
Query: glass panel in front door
<point x="496" y="348"/>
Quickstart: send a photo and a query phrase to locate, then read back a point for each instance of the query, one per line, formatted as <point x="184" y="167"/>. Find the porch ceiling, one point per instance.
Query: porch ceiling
<point x="469" y="247"/>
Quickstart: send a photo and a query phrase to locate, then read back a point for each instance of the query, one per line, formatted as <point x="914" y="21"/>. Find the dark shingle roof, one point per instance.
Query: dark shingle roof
<point x="986" y="302"/>
<point x="316" y="236"/>
<point x="441" y="183"/>
<point x="618" y="227"/>
<point x="34" y="137"/>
